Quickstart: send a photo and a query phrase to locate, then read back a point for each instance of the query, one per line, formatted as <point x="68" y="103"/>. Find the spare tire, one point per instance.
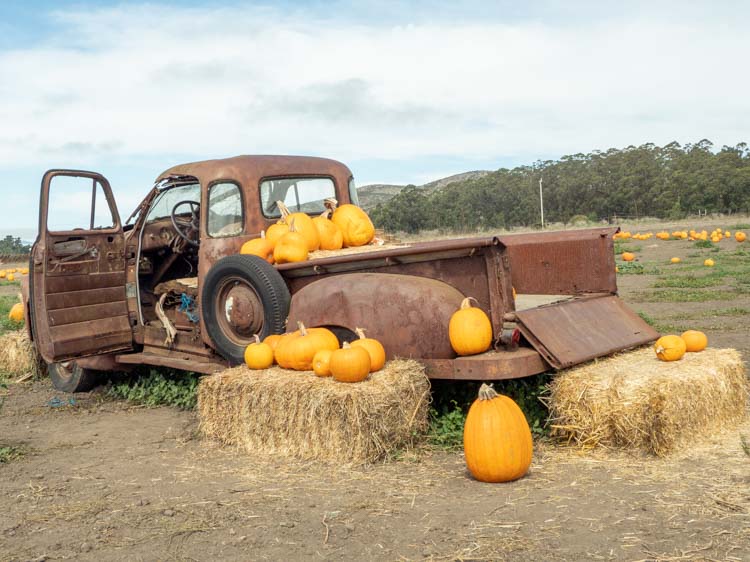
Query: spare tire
<point x="243" y="295"/>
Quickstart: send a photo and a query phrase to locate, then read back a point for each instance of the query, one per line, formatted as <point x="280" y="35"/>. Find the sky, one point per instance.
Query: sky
<point x="401" y="92"/>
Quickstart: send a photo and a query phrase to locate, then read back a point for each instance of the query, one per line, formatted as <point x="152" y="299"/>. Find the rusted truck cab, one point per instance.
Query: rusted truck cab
<point x="169" y="287"/>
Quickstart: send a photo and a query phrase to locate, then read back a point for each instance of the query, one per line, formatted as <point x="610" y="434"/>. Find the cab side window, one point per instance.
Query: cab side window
<point x="77" y="203"/>
<point x="225" y="216"/>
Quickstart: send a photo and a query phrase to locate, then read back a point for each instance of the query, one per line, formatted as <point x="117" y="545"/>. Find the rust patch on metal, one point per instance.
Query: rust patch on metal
<point x="572" y="332"/>
<point x="490" y="366"/>
<point x="409" y="315"/>
<point x="562" y="263"/>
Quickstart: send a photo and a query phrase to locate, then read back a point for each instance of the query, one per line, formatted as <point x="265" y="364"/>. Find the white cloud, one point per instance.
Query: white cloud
<point x="149" y="80"/>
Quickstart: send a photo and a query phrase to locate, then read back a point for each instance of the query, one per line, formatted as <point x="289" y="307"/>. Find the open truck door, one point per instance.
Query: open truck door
<point x="77" y="283"/>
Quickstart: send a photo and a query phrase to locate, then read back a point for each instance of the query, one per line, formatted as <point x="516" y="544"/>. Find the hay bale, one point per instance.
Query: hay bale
<point x="18" y="356"/>
<point x="635" y="401"/>
<point x="296" y="414"/>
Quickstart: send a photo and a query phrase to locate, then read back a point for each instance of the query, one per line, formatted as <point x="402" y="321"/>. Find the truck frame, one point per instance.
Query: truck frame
<point x="170" y="288"/>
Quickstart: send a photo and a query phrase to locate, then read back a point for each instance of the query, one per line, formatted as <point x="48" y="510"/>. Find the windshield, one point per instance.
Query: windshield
<point x="299" y="194"/>
<point x="167" y="199"/>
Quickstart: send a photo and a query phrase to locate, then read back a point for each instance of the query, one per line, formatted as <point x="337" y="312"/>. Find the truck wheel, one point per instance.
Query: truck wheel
<point x="243" y="295"/>
<point x="67" y="376"/>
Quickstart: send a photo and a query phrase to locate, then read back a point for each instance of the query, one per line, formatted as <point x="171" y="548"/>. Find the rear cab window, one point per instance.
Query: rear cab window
<point x="299" y="194"/>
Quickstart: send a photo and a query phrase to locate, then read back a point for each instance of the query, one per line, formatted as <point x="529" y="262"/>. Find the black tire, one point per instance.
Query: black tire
<point x="343" y="334"/>
<point x="69" y="377"/>
<point x="270" y="289"/>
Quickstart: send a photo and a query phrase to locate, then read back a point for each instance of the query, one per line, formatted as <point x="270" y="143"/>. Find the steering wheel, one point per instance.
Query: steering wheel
<point x="187" y="227"/>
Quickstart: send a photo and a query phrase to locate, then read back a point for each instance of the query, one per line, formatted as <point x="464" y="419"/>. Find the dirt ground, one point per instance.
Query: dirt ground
<point x="105" y="480"/>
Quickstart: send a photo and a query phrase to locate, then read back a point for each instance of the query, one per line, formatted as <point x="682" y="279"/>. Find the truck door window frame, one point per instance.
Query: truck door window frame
<point x="238" y="189"/>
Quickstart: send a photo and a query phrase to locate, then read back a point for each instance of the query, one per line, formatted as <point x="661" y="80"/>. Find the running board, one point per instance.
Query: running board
<point x="183" y="362"/>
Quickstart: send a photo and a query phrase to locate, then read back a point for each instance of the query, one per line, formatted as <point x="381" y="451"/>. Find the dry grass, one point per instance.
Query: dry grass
<point x="18" y="356"/>
<point x="296" y="414"/>
<point x="635" y="401"/>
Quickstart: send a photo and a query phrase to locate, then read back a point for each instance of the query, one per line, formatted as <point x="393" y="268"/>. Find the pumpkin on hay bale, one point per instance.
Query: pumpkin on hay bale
<point x="298" y="414"/>
<point x="18" y="357"/>
<point x="634" y="401"/>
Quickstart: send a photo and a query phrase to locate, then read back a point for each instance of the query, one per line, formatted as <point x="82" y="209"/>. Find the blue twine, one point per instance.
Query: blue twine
<point x="187" y="305"/>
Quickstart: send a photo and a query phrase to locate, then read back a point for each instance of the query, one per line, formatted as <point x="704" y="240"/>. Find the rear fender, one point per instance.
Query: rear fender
<point x="409" y="315"/>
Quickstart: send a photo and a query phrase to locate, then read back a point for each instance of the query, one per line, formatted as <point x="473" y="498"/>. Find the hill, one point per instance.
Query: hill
<point x="374" y="194"/>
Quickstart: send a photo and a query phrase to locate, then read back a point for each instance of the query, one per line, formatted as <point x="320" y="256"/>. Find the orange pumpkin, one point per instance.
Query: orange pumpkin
<point x="273" y="341"/>
<point x="675" y="260"/>
<point x="291" y="247"/>
<point x="628" y="256"/>
<point x="16" y="312"/>
<point x="321" y="363"/>
<point x="258" y="355"/>
<point x="740" y="236"/>
<point x="356" y="227"/>
<point x="303" y="224"/>
<point x="350" y="364"/>
<point x="331" y="237"/>
<point x="670" y="348"/>
<point x="469" y="329"/>
<point x="373" y="347"/>
<point x="260" y="247"/>
<point x="497" y="439"/>
<point x="11" y="277"/>
<point x="694" y="340"/>
<point x="276" y="231"/>
<point x="709" y="262"/>
<point x="297" y="350"/>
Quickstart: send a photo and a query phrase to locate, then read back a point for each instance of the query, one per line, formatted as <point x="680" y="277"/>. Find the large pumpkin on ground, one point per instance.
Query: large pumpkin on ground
<point x="297" y="350"/>
<point x="356" y="227"/>
<point x="469" y="329"/>
<point x="497" y="439"/>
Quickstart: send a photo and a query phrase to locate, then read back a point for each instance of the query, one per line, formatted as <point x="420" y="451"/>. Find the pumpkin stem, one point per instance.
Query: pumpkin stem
<point x="291" y="226"/>
<point x="330" y="203"/>
<point x="466" y="303"/>
<point x="302" y="329"/>
<point x="360" y="332"/>
<point x="263" y="234"/>
<point x="257" y="339"/>
<point x="283" y="209"/>
<point x="486" y="392"/>
<point x="346" y="345"/>
<point x="325" y="214"/>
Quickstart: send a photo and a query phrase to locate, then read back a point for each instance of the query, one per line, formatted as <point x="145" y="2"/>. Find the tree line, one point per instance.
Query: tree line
<point x="669" y="182"/>
<point x="13" y="246"/>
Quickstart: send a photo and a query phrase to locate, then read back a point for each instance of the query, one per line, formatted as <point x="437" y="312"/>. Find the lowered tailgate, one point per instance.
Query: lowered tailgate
<point x="571" y="332"/>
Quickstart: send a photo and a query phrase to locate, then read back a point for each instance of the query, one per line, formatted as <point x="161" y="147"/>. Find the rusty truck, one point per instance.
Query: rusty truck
<point x="169" y="287"/>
